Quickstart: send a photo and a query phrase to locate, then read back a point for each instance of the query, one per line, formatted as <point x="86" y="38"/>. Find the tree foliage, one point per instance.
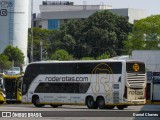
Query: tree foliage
<point x="39" y="35"/>
<point x="14" y="54"/>
<point x="103" y="56"/>
<point x="4" y="62"/>
<point x="101" y="32"/>
<point x="61" y="55"/>
<point x="87" y="58"/>
<point x="145" y="34"/>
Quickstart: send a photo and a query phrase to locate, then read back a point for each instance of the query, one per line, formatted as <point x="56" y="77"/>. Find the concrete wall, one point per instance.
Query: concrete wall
<point x="131" y="14"/>
<point x="136" y="14"/>
<point x="51" y="8"/>
<point x="150" y="57"/>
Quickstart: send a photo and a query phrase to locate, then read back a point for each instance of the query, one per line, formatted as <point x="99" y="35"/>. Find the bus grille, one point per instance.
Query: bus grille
<point x="136" y="80"/>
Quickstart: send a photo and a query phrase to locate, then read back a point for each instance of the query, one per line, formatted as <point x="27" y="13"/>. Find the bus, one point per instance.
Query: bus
<point x="153" y="88"/>
<point x="12" y="84"/>
<point x="2" y="90"/>
<point x="95" y="83"/>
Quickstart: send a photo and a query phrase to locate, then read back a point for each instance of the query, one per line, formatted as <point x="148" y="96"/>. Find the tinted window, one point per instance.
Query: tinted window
<point x="62" y="88"/>
<point x="11" y="88"/>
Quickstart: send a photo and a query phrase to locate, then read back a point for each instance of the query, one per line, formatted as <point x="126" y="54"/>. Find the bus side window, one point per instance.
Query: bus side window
<point x="119" y="80"/>
<point x="68" y="88"/>
<point x="46" y="88"/>
<point x="40" y="88"/>
<point x="83" y="87"/>
<point x="76" y="88"/>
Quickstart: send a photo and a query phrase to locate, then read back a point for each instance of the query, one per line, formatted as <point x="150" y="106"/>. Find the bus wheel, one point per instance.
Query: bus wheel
<point x="91" y="104"/>
<point x="101" y="103"/>
<point x="8" y="102"/>
<point x="1" y="102"/>
<point x="110" y="106"/>
<point x="120" y="107"/>
<point x="36" y="102"/>
<point x="54" y="106"/>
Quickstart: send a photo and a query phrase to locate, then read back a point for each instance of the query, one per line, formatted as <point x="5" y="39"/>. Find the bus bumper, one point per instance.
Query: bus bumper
<point x="136" y="102"/>
<point x="2" y="99"/>
<point x="25" y="100"/>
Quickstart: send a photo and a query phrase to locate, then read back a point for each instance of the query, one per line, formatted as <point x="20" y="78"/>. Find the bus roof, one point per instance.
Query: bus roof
<point x="12" y="76"/>
<point x="83" y="61"/>
<point x="77" y="61"/>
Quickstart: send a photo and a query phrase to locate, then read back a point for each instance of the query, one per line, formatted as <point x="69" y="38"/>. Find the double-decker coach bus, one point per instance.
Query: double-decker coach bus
<point x="96" y="83"/>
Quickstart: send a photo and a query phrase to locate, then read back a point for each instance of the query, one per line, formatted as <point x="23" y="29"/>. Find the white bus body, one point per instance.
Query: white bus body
<point x="96" y="83"/>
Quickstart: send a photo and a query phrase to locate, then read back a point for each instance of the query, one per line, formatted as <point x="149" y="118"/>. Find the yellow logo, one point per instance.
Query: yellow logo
<point x="136" y="67"/>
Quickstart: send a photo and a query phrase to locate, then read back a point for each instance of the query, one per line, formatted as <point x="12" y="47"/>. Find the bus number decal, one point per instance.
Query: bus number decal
<point x="136" y="92"/>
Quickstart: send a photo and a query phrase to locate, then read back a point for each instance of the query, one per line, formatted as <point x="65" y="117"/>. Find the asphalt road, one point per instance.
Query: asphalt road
<point x="29" y="112"/>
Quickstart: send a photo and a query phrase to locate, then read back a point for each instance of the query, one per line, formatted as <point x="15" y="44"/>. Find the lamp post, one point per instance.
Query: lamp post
<point x="31" y="54"/>
<point x="41" y="49"/>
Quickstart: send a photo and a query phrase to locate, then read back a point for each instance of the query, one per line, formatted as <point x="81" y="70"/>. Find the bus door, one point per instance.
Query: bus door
<point x="11" y="88"/>
<point x="2" y="91"/>
<point x="19" y="89"/>
<point x="65" y="93"/>
<point x="76" y="96"/>
<point x="46" y="95"/>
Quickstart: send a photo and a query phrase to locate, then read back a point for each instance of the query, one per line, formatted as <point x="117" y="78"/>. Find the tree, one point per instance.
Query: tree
<point x="73" y="31"/>
<point x="52" y="40"/>
<point x="4" y="62"/>
<point x="101" y="32"/>
<point x="61" y="55"/>
<point x="39" y="35"/>
<point x="14" y="54"/>
<point x="134" y="42"/>
<point x="87" y="58"/>
<point x="145" y="34"/>
<point x="103" y="56"/>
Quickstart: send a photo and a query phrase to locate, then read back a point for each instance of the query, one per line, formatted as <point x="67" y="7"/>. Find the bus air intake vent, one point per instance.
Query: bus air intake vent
<point x="135" y="80"/>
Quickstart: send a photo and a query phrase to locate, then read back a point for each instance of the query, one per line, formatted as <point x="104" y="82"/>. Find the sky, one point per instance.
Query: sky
<point x="152" y="7"/>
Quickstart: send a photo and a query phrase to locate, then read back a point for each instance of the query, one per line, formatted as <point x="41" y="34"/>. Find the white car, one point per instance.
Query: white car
<point x="14" y="71"/>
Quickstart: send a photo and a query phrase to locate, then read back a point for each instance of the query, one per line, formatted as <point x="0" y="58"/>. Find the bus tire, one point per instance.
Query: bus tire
<point x="110" y="106"/>
<point x="91" y="104"/>
<point x="101" y="103"/>
<point x="36" y="102"/>
<point x="18" y="102"/>
<point x="8" y="102"/>
<point x="120" y="107"/>
<point x="1" y="102"/>
<point x="54" y="106"/>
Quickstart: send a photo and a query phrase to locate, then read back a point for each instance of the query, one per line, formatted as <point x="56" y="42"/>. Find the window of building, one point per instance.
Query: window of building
<point x="53" y="24"/>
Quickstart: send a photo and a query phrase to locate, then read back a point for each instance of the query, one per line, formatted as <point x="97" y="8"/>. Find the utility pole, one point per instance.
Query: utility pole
<point x="31" y="54"/>
<point x="41" y="49"/>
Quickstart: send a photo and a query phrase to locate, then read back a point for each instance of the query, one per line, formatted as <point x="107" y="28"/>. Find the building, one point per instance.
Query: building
<point x="14" y="24"/>
<point x="53" y="14"/>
